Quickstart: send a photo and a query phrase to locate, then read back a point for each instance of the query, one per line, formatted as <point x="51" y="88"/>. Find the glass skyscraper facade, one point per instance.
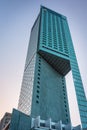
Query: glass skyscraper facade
<point x="50" y="57"/>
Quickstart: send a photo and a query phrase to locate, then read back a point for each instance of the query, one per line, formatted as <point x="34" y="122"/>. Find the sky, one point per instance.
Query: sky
<point x="16" y="20"/>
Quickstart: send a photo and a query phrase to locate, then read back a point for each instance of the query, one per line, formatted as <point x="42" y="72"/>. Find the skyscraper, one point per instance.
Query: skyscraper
<point x="50" y="57"/>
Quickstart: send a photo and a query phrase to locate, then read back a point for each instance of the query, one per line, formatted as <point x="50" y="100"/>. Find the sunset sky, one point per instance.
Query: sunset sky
<point x="16" y="20"/>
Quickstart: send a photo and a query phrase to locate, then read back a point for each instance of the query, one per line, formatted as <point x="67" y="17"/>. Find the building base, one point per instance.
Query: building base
<point x="21" y="121"/>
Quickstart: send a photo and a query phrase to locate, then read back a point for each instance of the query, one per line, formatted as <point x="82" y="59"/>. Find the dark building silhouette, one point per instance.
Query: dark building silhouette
<point x="5" y="120"/>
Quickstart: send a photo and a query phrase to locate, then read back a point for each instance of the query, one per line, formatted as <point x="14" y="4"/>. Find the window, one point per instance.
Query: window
<point x="39" y="70"/>
<point x="38" y="74"/>
<point x="37" y="96"/>
<point x="63" y="90"/>
<point x="64" y="101"/>
<point x="65" y="105"/>
<point x="66" y="120"/>
<point x="63" y="128"/>
<point x="39" y="78"/>
<point x="53" y="126"/>
<point x="66" y="115"/>
<point x="38" y="86"/>
<point x="42" y="124"/>
<point x="66" y="110"/>
<point x="64" y="97"/>
<point x="37" y="91"/>
<point x="38" y="82"/>
<point x="39" y="67"/>
<point x="37" y="101"/>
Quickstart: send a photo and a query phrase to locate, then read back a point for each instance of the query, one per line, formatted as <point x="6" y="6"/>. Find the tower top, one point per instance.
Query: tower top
<point x="51" y="11"/>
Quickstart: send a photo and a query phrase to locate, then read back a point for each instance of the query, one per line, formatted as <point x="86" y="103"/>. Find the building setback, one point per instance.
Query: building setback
<point x="50" y="57"/>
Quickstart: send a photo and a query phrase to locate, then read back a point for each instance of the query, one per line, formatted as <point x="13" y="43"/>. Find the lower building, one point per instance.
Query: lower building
<point x="5" y="120"/>
<point x="21" y="121"/>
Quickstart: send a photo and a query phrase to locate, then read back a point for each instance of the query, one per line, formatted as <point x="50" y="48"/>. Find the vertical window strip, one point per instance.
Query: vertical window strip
<point x="64" y="37"/>
<point x="62" y="34"/>
<point x="56" y="31"/>
<point x="59" y="34"/>
<point x="52" y="30"/>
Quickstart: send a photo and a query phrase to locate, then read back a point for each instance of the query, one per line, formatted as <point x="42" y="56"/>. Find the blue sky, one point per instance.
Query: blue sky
<point x="16" y="20"/>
